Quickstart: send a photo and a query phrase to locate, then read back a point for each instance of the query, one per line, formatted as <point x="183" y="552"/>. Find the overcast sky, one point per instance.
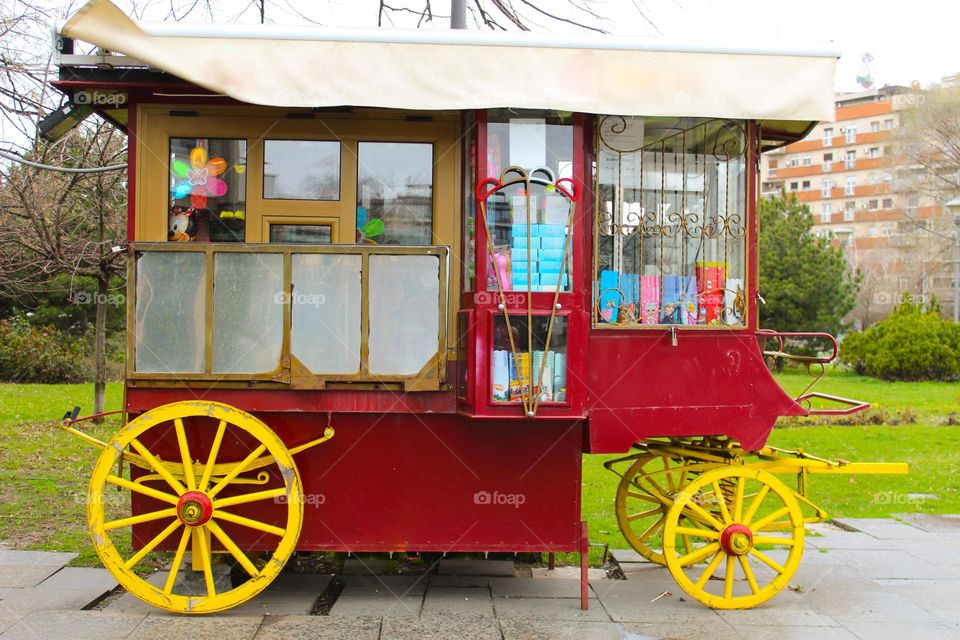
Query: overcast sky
<point x="909" y="40"/>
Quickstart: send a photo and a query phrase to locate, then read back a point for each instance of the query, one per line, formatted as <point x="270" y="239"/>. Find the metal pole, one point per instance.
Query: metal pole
<point x="458" y="14"/>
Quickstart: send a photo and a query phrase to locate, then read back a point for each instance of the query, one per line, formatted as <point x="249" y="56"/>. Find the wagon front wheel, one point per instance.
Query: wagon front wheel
<point x="205" y="481"/>
<point x="751" y="538"/>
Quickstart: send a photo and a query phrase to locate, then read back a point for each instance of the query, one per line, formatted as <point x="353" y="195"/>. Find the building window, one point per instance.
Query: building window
<point x="828" y="136"/>
<point x="851" y="160"/>
<point x="827" y="188"/>
<point x="849" y="208"/>
<point x="888" y="203"/>
<point x="912" y="203"/>
<point x="828" y="162"/>
<point x="888" y="123"/>
<point x="792" y="162"/>
<point x="887" y="177"/>
<point x="805" y="161"/>
<point x="873" y="152"/>
<point x="875" y="126"/>
<point x="826" y="213"/>
<point x="850" y="187"/>
<point x="805" y="185"/>
<point x="851" y="134"/>
<point x="872" y="205"/>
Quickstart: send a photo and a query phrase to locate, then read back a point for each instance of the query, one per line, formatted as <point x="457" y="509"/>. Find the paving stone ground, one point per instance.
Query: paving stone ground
<point x="868" y="579"/>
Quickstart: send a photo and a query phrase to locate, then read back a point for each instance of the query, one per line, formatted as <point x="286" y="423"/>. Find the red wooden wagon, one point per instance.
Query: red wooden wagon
<point x="474" y="257"/>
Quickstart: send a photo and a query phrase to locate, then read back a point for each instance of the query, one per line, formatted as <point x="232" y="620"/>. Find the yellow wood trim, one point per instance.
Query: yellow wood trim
<point x="267" y="220"/>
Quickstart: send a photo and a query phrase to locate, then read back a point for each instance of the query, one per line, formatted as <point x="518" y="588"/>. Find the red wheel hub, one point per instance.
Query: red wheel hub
<point x="736" y="540"/>
<point x="194" y="508"/>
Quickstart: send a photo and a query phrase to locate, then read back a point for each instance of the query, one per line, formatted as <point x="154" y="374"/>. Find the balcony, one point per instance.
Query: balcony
<point x="299" y="316"/>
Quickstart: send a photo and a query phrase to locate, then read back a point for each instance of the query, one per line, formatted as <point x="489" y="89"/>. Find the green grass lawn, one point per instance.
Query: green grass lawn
<point x="44" y="471"/>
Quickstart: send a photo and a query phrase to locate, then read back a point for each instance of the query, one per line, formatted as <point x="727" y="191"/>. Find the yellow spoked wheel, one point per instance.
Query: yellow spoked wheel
<point x="645" y="495"/>
<point x="751" y="540"/>
<point x="191" y="500"/>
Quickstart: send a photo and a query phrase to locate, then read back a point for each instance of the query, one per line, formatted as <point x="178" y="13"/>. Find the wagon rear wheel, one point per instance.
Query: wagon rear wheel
<point x="751" y="540"/>
<point x="645" y="495"/>
<point x="204" y="478"/>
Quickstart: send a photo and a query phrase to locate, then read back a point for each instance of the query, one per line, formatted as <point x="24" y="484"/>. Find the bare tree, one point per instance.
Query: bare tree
<point x="53" y="222"/>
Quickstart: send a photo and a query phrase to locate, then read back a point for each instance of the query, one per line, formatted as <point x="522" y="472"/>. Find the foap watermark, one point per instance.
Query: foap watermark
<point x="300" y="299"/>
<point x="306" y="499"/>
<point x="898" y="498"/>
<point x="496" y="498"/>
<point x="85" y="297"/>
<point x="105" y="98"/>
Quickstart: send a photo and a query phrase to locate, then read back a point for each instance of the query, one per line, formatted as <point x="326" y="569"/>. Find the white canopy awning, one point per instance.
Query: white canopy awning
<point x="438" y="70"/>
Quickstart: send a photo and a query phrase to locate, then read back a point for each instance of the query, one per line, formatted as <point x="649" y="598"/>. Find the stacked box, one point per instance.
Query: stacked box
<point x="537" y="257"/>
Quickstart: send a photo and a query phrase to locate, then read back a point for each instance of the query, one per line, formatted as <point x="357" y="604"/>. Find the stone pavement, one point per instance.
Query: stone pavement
<point x="871" y="579"/>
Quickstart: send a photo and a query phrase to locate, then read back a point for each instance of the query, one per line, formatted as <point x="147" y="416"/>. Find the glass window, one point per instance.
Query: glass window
<point x="514" y="369"/>
<point x="827" y="188"/>
<point x="827" y="136"/>
<point x="850" y="187"/>
<point x="531" y="140"/>
<point x="325" y="312"/>
<point x="207" y="190"/>
<point x="247" y="312"/>
<point x="301" y="170"/>
<point x="301" y="233"/>
<point x="395" y="193"/>
<point x="403" y="287"/>
<point x="851" y="134"/>
<point x="470" y="181"/>
<point x="671" y="221"/>
<point x="530" y="249"/>
<point x="171" y="288"/>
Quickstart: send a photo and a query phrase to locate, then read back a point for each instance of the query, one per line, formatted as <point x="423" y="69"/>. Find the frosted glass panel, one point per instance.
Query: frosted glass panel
<point x="404" y="318"/>
<point x="325" y="335"/>
<point x="247" y="312"/>
<point x="170" y="304"/>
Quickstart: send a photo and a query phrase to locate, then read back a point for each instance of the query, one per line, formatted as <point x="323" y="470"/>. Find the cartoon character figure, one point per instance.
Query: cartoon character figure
<point x="183" y="225"/>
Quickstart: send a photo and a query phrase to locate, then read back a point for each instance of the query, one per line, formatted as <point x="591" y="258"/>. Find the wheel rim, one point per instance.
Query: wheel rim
<point x="196" y="501"/>
<point x="644" y="497"/>
<point x="753" y="538"/>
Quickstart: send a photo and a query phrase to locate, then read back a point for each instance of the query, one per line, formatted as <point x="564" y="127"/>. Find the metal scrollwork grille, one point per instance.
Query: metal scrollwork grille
<point x="670" y="224"/>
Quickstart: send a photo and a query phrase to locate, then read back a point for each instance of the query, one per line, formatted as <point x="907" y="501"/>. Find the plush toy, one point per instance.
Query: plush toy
<point x="183" y="225"/>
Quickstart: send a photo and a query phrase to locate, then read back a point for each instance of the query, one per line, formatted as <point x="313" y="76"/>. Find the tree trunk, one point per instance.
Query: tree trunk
<point x="100" y="357"/>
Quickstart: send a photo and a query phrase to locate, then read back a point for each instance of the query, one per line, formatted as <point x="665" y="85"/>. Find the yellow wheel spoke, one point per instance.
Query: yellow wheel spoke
<point x="738" y="500"/>
<point x="144" y="517"/>
<point x="177" y="561"/>
<point x="247" y="522"/>
<point x="204" y="551"/>
<point x="670" y="482"/>
<point x="656" y="486"/>
<point x="748" y="572"/>
<point x="650" y="530"/>
<point x="703" y="515"/>
<point x="234" y="550"/>
<point x="699" y="554"/>
<point x="722" y="502"/>
<point x="760" y="524"/>
<point x="699" y="533"/>
<point x="755" y="504"/>
<point x="645" y="514"/>
<point x="237" y="470"/>
<point x="157" y="466"/>
<point x="789" y="542"/>
<point x="142" y="489"/>
<point x="765" y="559"/>
<point x="212" y="459"/>
<point x="184" y="453"/>
<point x="150" y="546"/>
<point x="643" y="496"/>
<point x="714" y="563"/>
<point x="253" y="497"/>
<point x="728" y="578"/>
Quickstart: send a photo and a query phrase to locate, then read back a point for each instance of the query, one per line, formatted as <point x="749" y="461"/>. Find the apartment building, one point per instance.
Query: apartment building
<point x="864" y="197"/>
